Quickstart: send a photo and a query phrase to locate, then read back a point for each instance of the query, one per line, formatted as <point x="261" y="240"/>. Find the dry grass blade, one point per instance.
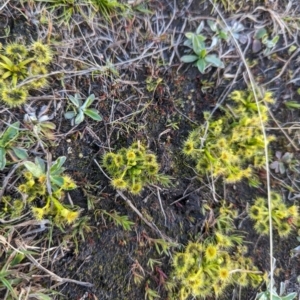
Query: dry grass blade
<point x="3" y="6"/>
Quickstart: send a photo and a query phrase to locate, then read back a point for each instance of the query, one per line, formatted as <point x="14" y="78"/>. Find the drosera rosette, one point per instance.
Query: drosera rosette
<point x="46" y="186"/>
<point x="23" y="68"/>
<point x="133" y="168"/>
<point x="231" y="146"/>
<point x="284" y="218"/>
<point x="206" y="268"/>
<point x="42" y="53"/>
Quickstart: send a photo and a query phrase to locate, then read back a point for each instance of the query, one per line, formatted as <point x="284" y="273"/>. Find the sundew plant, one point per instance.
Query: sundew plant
<point x="232" y="145"/>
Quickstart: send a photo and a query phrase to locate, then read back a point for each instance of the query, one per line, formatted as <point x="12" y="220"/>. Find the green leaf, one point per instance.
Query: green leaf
<point x="79" y="118"/>
<point x="56" y="167"/>
<point x="201" y="64"/>
<point x="212" y="25"/>
<point x="75" y="100"/>
<point x="275" y="297"/>
<point x="6" y="74"/>
<point x="57" y="180"/>
<point x="189" y="35"/>
<point x="198" y="43"/>
<point x="292" y="104"/>
<point x="48" y="125"/>
<point x="20" y="153"/>
<point x="270" y="43"/>
<point x="261" y="33"/>
<point x="25" y="62"/>
<point x="200" y="27"/>
<point x="88" y="101"/>
<point x="188" y="43"/>
<point x="202" y="53"/>
<point x="223" y="35"/>
<point x="69" y="115"/>
<point x="17" y="259"/>
<point x="290" y="296"/>
<point x="41" y="164"/>
<point x="8" y="64"/>
<point x="34" y="169"/>
<point x="214" y="60"/>
<point x="10" y="134"/>
<point x="93" y="113"/>
<point x="8" y="285"/>
<point x="275" y="39"/>
<point x="188" y="58"/>
<point x="2" y="158"/>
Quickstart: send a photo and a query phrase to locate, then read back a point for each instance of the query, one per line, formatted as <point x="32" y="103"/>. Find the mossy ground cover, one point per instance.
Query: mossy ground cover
<point x="122" y="245"/>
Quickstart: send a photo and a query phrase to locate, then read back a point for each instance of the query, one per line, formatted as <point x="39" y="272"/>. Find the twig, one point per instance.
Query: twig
<point x="4" y="5"/>
<point x="285" y="134"/>
<point x="283" y="68"/>
<point x="151" y="225"/>
<point x="161" y="206"/>
<point x="53" y="275"/>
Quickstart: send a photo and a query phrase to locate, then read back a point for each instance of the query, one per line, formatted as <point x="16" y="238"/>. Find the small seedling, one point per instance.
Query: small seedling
<point x="39" y="122"/>
<point x="48" y="184"/>
<point x="57" y="180"/>
<point x="271" y="293"/>
<point x="202" y="59"/>
<point x="7" y="145"/>
<point x="81" y="110"/>
<point x="282" y="161"/>
<point x="270" y="44"/>
<point x="150" y="294"/>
